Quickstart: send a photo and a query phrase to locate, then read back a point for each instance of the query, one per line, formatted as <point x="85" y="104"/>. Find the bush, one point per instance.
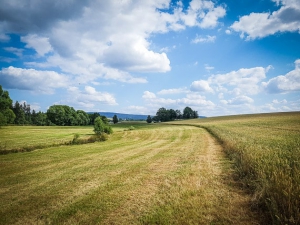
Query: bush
<point x="101" y="127"/>
<point x="96" y="137"/>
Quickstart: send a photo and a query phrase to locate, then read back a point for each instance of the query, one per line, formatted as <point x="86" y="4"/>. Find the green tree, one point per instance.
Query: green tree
<point x="163" y="114"/>
<point x="82" y="118"/>
<point x="195" y="114"/>
<point x="41" y="119"/>
<point x="100" y="127"/>
<point x="20" y="114"/>
<point x="172" y="114"/>
<point x="115" y="119"/>
<point x="92" y="117"/>
<point x="149" y="119"/>
<point x="6" y="114"/>
<point x="178" y="114"/>
<point x="188" y="113"/>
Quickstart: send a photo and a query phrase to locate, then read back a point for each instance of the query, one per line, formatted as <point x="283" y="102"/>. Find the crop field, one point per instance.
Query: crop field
<point x="153" y="174"/>
<point x="265" y="149"/>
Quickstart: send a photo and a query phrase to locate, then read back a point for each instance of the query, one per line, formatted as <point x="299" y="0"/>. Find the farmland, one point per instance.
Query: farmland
<point x="204" y="171"/>
<point x="266" y="152"/>
<point x="153" y="174"/>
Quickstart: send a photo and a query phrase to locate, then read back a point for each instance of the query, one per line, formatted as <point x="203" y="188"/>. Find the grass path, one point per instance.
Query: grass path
<point x="162" y="175"/>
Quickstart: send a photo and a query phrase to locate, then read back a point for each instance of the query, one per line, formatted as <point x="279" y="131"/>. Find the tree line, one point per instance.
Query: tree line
<point x="61" y="115"/>
<point x="164" y="115"/>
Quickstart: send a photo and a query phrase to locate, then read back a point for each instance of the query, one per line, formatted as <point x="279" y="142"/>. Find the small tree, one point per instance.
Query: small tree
<point x="115" y="119"/>
<point x="149" y="119"/>
<point x="100" y="127"/>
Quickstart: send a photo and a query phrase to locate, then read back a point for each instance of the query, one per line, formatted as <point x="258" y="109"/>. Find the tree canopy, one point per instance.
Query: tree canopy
<point x="6" y="114"/>
<point x="164" y="115"/>
<point x="115" y="119"/>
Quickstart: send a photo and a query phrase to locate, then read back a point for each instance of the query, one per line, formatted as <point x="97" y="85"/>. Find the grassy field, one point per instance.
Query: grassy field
<point x="153" y="174"/>
<point x="266" y="152"/>
<point x="20" y="138"/>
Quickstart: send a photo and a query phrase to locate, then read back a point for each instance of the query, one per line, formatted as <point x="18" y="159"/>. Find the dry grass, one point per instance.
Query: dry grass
<point x="157" y="174"/>
<point x="266" y="151"/>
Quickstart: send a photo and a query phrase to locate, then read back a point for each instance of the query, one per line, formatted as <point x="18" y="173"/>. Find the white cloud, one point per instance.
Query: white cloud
<point x="259" y="25"/>
<point x="287" y="83"/>
<point x="40" y="44"/>
<point x="149" y="95"/>
<point x="240" y="100"/>
<point x="102" y="39"/>
<point x="203" y="14"/>
<point x="89" y="98"/>
<point x="275" y="101"/>
<point x="191" y="99"/>
<point x="201" y="86"/>
<point x="172" y="91"/>
<point x="244" y="80"/>
<point x="207" y="39"/>
<point x="34" y="80"/>
<point x="17" y="51"/>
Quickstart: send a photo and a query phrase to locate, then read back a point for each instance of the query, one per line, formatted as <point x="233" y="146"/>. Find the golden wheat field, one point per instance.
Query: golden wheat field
<point x="266" y="152"/>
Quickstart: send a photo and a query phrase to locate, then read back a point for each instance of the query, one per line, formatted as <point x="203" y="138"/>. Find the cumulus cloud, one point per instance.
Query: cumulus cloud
<point x="201" y="86"/>
<point x="89" y="98"/>
<point x="245" y="80"/>
<point x="259" y="25"/>
<point x="31" y="79"/>
<point x="285" y="83"/>
<point x="110" y="37"/>
<point x="240" y="100"/>
<point x="40" y="44"/>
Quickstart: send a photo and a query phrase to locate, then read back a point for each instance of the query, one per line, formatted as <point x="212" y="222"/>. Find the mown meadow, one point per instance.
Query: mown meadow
<point x="266" y="153"/>
<point x="143" y="174"/>
<point x="224" y="170"/>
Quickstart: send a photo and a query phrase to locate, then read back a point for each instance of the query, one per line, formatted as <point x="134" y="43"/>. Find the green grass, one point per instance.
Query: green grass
<point x="266" y="151"/>
<point x="154" y="174"/>
<point x="32" y="137"/>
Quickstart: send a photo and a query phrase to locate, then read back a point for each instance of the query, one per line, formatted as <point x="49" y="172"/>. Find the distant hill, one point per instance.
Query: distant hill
<point x="123" y="116"/>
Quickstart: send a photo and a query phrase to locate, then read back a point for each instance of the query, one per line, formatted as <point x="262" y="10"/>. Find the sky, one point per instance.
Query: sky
<point x="219" y="57"/>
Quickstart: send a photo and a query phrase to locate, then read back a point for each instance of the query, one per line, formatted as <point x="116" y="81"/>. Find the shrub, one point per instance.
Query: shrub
<point x="101" y="127"/>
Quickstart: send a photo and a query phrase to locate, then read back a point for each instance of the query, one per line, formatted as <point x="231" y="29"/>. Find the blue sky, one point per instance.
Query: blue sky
<point x="135" y="56"/>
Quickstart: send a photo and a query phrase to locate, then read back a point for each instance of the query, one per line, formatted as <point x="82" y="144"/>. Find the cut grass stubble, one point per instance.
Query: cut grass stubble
<point x="143" y="176"/>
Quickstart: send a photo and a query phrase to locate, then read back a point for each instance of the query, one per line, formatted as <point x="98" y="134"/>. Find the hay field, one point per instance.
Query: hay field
<point x="155" y="174"/>
<point x="20" y="138"/>
<point x="266" y="152"/>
